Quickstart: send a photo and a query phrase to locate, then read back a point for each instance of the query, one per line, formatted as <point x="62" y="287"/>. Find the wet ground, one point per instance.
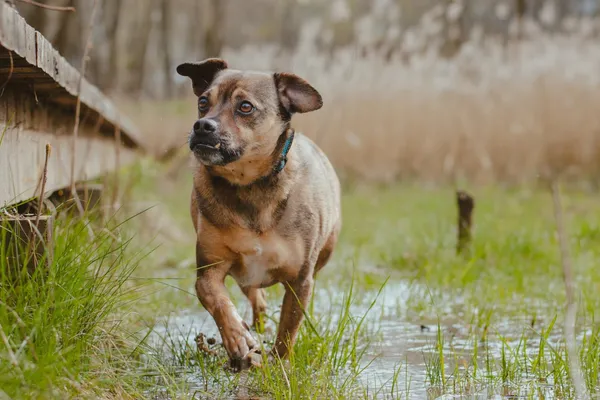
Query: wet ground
<point x="395" y="362"/>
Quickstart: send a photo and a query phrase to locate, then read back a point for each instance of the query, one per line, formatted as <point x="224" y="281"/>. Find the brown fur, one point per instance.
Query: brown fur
<point x="255" y="224"/>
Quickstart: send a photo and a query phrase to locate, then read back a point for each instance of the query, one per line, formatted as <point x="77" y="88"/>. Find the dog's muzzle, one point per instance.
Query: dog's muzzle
<point x="204" y="135"/>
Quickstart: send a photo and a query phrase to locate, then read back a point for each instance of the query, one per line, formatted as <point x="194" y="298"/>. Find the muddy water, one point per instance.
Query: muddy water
<point x="393" y="338"/>
<point x="395" y="361"/>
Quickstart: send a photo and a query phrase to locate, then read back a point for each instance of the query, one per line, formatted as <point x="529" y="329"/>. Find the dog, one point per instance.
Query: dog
<point x="265" y="202"/>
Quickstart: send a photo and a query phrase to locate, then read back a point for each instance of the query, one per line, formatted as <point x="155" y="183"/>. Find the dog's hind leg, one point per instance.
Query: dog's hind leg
<point x="327" y="251"/>
<point x="259" y="306"/>
<point x="295" y="302"/>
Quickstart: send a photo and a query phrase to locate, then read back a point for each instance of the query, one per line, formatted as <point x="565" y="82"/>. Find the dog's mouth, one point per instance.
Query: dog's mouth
<point x="214" y="151"/>
<point x="203" y="147"/>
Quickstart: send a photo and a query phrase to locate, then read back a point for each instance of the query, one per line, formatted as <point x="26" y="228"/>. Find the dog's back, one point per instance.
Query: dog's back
<point x="320" y="184"/>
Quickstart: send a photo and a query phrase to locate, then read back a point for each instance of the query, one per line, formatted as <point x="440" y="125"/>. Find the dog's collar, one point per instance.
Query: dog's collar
<point x="284" y="152"/>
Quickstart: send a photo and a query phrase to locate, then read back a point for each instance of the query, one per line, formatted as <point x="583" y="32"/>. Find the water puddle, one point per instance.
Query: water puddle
<point x="403" y="348"/>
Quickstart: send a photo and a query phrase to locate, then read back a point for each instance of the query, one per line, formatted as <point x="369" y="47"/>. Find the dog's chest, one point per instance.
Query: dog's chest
<point x="265" y="259"/>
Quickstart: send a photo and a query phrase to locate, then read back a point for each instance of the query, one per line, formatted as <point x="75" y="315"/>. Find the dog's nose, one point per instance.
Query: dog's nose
<point x="204" y="126"/>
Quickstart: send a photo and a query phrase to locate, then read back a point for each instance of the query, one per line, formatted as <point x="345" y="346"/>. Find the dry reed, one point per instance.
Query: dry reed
<point x="494" y="113"/>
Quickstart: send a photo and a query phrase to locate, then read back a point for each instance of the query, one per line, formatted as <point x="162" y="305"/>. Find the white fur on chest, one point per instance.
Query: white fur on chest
<point x="259" y="256"/>
<point x="256" y="266"/>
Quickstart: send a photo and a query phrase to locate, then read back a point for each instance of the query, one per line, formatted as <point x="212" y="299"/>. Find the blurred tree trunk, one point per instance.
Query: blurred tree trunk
<point x="34" y="16"/>
<point x="288" y="35"/>
<point x="54" y="28"/>
<point x="455" y="29"/>
<point x="288" y="28"/>
<point x="214" y="26"/>
<point x="165" y="38"/>
<point x="137" y="35"/>
<point x="103" y="59"/>
<point x="535" y="8"/>
<point x="521" y="12"/>
<point x="563" y="8"/>
<point x="193" y="41"/>
<point x="112" y="14"/>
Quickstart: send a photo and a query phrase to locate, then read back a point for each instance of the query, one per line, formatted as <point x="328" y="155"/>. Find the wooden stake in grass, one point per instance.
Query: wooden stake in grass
<point x="466" y="204"/>
<point x="44" y="178"/>
<point x="571" y="309"/>
<point x="115" y="195"/>
<point x="37" y="234"/>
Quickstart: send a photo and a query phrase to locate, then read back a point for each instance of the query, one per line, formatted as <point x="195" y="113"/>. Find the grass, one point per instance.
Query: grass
<point x="508" y="294"/>
<point x="396" y="315"/>
<point x="60" y="325"/>
<point x="442" y="324"/>
<point x="491" y="317"/>
<point x="326" y="363"/>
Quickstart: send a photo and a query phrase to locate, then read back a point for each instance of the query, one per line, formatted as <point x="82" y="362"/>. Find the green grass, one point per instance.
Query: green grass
<point x="491" y="321"/>
<point x="508" y="292"/>
<point x="327" y="360"/>
<point x="515" y="250"/>
<point x="496" y="315"/>
<point x="60" y="325"/>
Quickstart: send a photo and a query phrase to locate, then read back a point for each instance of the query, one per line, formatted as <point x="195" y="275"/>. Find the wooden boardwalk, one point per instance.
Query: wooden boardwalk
<point x="38" y="96"/>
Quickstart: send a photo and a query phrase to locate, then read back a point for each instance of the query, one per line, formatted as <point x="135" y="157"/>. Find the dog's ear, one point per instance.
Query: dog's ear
<point x="296" y="94"/>
<point x="202" y="73"/>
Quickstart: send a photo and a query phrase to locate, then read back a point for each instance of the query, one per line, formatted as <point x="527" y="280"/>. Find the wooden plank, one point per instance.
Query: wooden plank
<point x="7" y="21"/>
<point x="25" y="43"/>
<point x="46" y="58"/>
<point x="17" y="70"/>
<point x="22" y="159"/>
<point x="21" y="76"/>
<point x="30" y="120"/>
<point x="46" y="86"/>
<point x="16" y="35"/>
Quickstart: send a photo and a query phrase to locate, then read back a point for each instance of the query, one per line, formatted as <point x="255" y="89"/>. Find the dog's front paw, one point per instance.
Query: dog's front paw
<point x="252" y="359"/>
<point x="242" y="349"/>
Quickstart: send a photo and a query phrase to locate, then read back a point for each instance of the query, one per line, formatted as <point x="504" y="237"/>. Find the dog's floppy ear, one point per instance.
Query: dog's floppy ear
<point x="296" y="94"/>
<point x="202" y="73"/>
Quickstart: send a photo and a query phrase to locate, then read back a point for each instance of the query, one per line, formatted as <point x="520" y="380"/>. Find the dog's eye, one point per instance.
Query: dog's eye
<point x="246" y="107"/>
<point x="203" y="103"/>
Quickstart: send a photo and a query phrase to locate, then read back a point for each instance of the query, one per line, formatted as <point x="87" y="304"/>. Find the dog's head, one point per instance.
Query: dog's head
<point x="242" y="114"/>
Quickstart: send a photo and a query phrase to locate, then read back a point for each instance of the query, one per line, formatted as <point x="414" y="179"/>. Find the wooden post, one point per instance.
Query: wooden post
<point x="466" y="203"/>
<point x="26" y="244"/>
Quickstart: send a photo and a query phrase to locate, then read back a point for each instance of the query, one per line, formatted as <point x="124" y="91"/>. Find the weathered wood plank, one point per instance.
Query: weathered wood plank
<point x="16" y="35"/>
<point x="25" y="43"/>
<point x="40" y="89"/>
<point x="16" y="70"/>
<point x="22" y="159"/>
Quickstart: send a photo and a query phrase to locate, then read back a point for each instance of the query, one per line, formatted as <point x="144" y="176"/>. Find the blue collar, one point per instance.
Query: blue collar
<point x="284" y="153"/>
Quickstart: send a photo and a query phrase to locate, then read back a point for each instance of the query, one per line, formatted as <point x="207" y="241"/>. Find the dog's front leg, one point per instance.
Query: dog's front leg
<point x="212" y="293"/>
<point x="295" y="301"/>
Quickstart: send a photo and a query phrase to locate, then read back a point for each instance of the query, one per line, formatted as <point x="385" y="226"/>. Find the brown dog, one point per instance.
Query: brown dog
<point x="266" y="201"/>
